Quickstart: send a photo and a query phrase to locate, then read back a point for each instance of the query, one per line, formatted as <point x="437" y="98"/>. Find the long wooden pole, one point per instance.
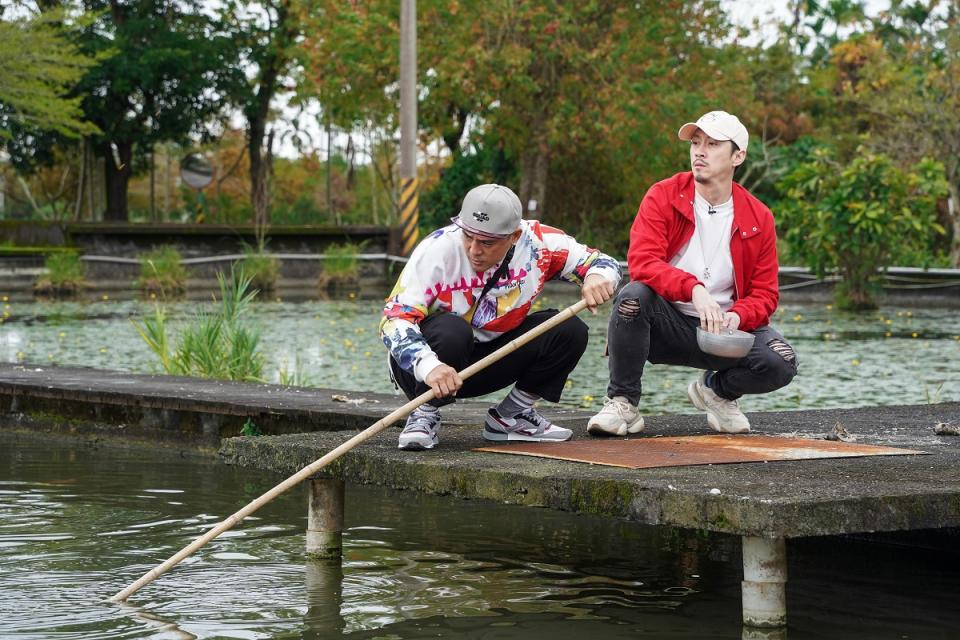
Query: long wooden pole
<point x="363" y="436"/>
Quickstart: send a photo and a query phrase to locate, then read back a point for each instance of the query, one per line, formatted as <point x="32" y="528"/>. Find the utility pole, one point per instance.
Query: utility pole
<point x="409" y="200"/>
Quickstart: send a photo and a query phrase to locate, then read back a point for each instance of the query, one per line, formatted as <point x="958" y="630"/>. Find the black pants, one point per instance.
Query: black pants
<point x="645" y="327"/>
<point x="539" y="367"/>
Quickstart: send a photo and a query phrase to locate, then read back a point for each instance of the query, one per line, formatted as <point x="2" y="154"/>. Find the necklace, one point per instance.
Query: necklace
<point x="703" y="252"/>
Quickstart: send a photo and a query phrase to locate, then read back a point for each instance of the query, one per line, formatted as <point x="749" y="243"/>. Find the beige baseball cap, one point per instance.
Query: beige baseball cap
<point x="719" y="125"/>
<point x="490" y="210"/>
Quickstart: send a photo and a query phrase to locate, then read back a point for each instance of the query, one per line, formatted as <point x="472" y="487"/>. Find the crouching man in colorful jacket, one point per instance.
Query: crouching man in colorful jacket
<point x="467" y="290"/>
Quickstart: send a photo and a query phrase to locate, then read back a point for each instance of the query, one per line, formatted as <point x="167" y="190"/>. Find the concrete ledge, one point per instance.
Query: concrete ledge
<point x="187" y="414"/>
<point x="776" y="499"/>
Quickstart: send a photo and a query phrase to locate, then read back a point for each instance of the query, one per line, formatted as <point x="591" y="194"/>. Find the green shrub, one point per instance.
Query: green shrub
<point x="860" y="217"/>
<point x="66" y="275"/>
<point x="162" y="272"/>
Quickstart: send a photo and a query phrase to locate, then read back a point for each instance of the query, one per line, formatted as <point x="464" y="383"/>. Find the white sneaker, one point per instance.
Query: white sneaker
<point x="421" y="431"/>
<point x="722" y="414"/>
<point x="617" y="418"/>
<point x="528" y="426"/>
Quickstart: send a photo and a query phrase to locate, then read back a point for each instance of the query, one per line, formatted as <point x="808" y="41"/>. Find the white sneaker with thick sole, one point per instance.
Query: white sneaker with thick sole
<point x="723" y="415"/>
<point x="421" y="432"/>
<point x="528" y="426"/>
<point x="617" y="418"/>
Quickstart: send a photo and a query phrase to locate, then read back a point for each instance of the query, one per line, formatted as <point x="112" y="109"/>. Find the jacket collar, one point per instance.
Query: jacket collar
<point x="746" y="222"/>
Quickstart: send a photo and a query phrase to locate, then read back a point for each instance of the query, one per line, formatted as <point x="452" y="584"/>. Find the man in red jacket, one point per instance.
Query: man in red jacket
<point x="702" y="252"/>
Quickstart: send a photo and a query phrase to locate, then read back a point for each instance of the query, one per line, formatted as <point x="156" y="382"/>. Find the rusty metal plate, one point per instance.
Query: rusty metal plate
<point x="646" y="453"/>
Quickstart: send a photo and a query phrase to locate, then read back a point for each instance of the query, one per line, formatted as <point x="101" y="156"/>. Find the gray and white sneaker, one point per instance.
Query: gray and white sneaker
<point x="617" y="418"/>
<point x="723" y="415"/>
<point x="421" y="431"/>
<point x="527" y="426"/>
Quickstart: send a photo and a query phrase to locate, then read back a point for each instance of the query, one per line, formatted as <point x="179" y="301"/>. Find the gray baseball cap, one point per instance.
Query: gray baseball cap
<point x="490" y="210"/>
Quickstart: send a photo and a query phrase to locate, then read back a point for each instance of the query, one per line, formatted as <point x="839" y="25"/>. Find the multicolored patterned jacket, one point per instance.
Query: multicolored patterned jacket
<point x="439" y="277"/>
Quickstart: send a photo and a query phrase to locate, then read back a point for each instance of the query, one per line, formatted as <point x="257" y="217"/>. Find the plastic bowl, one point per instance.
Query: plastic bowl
<point x="727" y="343"/>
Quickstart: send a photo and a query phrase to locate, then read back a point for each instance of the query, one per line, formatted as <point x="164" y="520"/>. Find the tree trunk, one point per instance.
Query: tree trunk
<point x="258" y="175"/>
<point x="954" y="212"/>
<point x="258" y="111"/>
<point x="534" y="167"/>
<point x="117" y="177"/>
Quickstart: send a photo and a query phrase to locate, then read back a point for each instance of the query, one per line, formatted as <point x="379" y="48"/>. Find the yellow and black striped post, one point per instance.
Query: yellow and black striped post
<point x="409" y="215"/>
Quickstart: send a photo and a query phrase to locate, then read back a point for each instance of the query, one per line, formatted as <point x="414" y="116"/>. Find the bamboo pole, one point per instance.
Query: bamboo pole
<point x="361" y="437"/>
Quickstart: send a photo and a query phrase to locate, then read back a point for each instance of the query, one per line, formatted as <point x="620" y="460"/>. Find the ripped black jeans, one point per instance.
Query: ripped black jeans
<point x="645" y="327"/>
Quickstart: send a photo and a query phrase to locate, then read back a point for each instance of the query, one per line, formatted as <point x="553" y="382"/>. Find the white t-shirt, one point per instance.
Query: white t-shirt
<point x="707" y="254"/>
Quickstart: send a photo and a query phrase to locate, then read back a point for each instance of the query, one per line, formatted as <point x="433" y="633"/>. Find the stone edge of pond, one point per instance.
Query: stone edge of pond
<point x="188" y="414"/>
<point x="813" y="497"/>
<point x="776" y="499"/>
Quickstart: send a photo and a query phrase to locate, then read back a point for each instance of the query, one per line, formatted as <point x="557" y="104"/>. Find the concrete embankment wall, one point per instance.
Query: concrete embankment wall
<point x="177" y="414"/>
<point x="110" y="251"/>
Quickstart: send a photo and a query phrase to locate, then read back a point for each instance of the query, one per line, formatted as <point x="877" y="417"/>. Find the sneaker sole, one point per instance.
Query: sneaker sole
<point x="416" y="446"/>
<point x="622" y="429"/>
<point x="499" y="436"/>
<point x="698" y="402"/>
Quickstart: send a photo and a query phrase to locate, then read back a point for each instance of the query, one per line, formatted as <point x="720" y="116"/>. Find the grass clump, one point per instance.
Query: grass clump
<point x="340" y="265"/>
<point x="262" y="269"/>
<point x="162" y="272"/>
<point x="66" y="275"/>
<point x="217" y="343"/>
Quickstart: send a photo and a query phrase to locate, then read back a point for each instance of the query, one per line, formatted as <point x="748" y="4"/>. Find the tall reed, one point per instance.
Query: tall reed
<point x="217" y="343"/>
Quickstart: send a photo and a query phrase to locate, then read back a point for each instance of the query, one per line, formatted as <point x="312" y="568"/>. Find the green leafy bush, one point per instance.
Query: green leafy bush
<point x="860" y="218"/>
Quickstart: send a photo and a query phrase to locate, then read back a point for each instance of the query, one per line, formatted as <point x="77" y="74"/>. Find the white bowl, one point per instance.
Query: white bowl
<point x="727" y="343"/>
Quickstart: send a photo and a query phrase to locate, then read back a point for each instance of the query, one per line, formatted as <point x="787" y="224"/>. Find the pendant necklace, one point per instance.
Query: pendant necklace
<point x="716" y="250"/>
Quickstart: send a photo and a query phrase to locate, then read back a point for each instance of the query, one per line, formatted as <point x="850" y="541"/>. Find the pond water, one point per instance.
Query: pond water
<point x="79" y="524"/>
<point x="892" y="356"/>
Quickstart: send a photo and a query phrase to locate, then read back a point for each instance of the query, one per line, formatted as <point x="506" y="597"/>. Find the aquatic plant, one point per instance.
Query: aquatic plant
<point x="250" y="429"/>
<point x="296" y="377"/>
<point x="162" y="272"/>
<point x="262" y="269"/>
<point x="340" y="265"/>
<point x="217" y="343"/>
<point x="65" y="275"/>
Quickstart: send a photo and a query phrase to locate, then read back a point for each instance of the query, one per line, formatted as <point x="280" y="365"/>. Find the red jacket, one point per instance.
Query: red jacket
<point x="664" y="225"/>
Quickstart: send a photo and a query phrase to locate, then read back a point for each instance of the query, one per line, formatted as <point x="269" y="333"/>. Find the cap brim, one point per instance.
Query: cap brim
<point x="493" y="236"/>
<point x="686" y="131"/>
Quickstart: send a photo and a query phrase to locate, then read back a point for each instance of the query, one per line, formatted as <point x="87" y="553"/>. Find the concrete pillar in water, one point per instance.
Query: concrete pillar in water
<point x="764" y="587"/>
<point x="325" y="518"/>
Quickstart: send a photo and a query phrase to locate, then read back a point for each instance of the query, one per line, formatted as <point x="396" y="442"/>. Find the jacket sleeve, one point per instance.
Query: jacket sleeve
<point x="761" y="287"/>
<point x="647" y="257"/>
<point x="408" y="304"/>
<point x="573" y="261"/>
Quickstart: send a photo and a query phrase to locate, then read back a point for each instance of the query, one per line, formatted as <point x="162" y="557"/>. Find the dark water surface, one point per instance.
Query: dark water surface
<point x="77" y="525"/>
